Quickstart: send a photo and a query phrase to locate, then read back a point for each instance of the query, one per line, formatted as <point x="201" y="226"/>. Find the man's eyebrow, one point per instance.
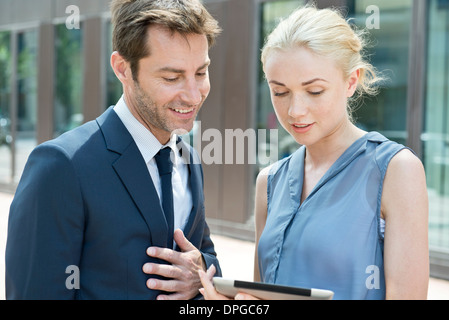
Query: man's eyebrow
<point x="180" y="71"/>
<point x="172" y="70"/>
<point x="205" y="65"/>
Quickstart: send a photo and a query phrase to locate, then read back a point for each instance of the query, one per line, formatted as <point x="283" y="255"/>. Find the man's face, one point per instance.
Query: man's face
<point x="172" y="83"/>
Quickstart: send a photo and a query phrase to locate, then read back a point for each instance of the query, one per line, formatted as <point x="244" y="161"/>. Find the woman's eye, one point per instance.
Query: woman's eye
<point x="316" y="93"/>
<point x="280" y="94"/>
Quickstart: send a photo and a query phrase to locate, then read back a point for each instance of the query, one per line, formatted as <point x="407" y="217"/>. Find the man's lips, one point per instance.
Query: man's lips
<point x="183" y="110"/>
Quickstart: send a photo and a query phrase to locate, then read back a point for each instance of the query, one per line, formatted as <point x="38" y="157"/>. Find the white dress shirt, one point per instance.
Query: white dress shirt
<point x="149" y="146"/>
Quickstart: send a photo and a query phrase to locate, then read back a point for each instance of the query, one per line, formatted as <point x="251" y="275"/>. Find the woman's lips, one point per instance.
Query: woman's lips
<point x="302" y="127"/>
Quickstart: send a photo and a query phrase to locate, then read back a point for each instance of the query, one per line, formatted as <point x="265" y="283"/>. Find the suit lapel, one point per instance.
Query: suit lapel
<point x="133" y="172"/>
<point x="195" y="186"/>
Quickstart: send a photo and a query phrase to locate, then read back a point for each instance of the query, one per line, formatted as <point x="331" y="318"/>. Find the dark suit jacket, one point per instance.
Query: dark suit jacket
<point x="86" y="199"/>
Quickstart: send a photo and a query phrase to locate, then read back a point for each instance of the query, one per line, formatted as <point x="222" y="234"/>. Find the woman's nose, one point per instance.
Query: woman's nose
<point x="298" y="107"/>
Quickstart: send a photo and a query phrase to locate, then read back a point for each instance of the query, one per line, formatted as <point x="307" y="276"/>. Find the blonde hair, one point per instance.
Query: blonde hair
<point x="326" y="33"/>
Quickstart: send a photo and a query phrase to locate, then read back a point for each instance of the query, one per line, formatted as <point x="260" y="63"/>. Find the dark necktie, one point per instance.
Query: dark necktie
<point x="165" y="167"/>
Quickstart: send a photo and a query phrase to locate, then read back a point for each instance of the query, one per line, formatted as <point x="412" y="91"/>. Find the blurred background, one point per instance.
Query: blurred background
<point x="55" y="75"/>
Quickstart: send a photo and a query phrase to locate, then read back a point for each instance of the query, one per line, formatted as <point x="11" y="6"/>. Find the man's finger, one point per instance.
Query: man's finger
<point x="184" y="244"/>
<point x="174" y="296"/>
<point x="163" y="285"/>
<point x="167" y="271"/>
<point x="164" y="254"/>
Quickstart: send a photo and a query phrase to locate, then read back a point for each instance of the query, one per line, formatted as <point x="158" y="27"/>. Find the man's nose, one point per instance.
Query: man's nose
<point x="191" y="94"/>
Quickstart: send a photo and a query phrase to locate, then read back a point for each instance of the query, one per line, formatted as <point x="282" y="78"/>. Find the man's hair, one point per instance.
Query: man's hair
<point x="131" y="19"/>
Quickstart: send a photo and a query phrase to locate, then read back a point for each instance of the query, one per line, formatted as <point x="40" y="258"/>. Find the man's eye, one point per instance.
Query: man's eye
<point x="171" y="79"/>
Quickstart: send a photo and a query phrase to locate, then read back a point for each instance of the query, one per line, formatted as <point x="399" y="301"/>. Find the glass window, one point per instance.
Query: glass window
<point x="389" y="53"/>
<point x="5" y="120"/>
<point x="25" y="141"/>
<point x="68" y="112"/>
<point x="436" y="126"/>
<point x="270" y="15"/>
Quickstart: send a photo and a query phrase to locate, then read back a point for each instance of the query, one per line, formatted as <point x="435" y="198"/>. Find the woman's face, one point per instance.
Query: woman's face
<point x="309" y="93"/>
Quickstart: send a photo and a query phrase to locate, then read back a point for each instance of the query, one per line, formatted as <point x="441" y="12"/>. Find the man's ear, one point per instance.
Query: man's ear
<point x="121" y="67"/>
<point x="353" y="82"/>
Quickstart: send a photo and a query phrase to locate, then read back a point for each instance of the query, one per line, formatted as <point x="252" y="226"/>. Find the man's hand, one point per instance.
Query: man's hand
<point x="183" y="279"/>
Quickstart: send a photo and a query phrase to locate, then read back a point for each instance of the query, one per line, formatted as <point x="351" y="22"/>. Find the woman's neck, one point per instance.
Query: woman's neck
<point x="326" y="151"/>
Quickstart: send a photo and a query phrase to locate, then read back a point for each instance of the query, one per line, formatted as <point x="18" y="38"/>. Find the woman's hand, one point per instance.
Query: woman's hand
<point x="208" y="291"/>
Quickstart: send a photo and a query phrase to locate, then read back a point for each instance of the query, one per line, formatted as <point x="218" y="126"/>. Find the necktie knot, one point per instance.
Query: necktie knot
<point x="163" y="161"/>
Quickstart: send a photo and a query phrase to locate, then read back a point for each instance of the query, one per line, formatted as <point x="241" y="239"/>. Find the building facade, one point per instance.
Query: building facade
<point x="55" y="75"/>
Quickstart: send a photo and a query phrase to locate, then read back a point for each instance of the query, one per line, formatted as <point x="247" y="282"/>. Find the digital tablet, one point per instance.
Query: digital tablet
<point x="230" y="288"/>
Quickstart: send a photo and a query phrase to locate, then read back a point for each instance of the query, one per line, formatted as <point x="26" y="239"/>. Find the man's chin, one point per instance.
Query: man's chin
<point x="182" y="129"/>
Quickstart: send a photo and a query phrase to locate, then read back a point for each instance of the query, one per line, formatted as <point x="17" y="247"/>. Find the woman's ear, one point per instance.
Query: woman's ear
<point x="121" y="67"/>
<point x="353" y="82"/>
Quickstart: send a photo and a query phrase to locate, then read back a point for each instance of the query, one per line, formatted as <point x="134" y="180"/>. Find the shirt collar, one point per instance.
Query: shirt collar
<point x="147" y="143"/>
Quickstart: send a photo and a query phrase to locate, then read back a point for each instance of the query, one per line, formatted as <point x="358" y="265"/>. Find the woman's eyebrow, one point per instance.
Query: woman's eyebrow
<point x="277" y="83"/>
<point x="312" y="81"/>
<point x="303" y="84"/>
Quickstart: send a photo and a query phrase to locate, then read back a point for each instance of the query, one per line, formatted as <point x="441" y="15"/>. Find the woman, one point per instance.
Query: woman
<point x="348" y="211"/>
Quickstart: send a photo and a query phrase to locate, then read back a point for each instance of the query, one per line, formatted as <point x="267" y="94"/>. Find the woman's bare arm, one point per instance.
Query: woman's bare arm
<point x="405" y="210"/>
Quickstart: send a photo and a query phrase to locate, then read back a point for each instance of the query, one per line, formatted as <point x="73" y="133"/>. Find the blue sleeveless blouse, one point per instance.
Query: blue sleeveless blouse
<point x="333" y="239"/>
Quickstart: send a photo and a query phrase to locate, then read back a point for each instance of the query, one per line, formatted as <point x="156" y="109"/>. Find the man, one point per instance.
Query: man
<point x="92" y="217"/>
